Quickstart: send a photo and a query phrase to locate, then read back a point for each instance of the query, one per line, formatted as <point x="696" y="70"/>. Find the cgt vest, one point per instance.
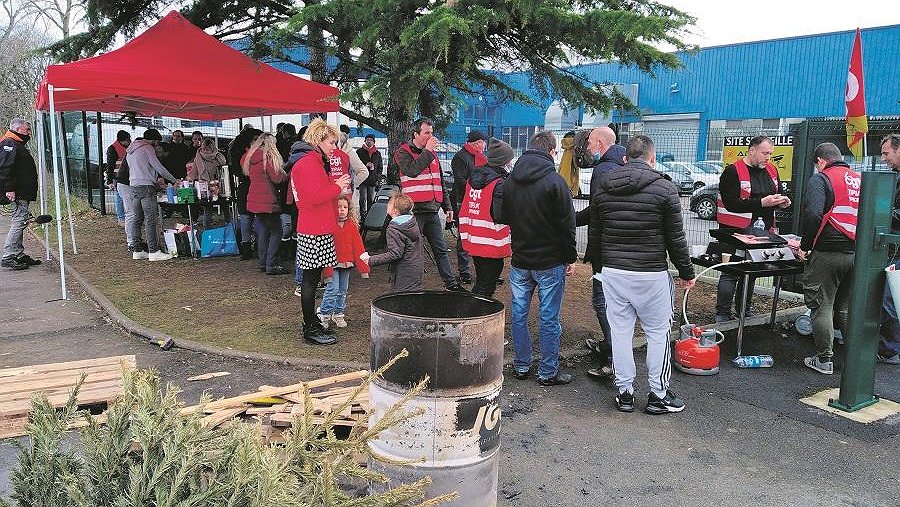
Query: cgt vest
<point x="480" y="236"/>
<point x="425" y="187"/>
<point x="340" y="165"/>
<point x="741" y="220"/>
<point x="845" y="183"/>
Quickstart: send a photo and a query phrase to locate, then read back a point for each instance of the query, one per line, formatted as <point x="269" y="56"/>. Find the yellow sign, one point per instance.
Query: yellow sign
<point x="783" y="158"/>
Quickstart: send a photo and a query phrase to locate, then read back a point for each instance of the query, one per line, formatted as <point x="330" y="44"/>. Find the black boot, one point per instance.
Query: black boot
<point x="246" y="251"/>
<point x="315" y="333"/>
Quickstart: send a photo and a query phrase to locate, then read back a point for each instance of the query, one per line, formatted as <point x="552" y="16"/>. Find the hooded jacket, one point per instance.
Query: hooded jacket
<point x="143" y="165"/>
<point x="207" y="166"/>
<point x="537" y="205"/>
<point x="612" y="159"/>
<point x="636" y="221"/>
<point x="262" y="197"/>
<point x="404" y="254"/>
<point x="18" y="172"/>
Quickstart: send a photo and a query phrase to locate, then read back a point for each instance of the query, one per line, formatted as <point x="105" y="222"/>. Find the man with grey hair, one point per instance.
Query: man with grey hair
<point x="828" y="230"/>
<point x="636" y="221"/>
<point x="19" y="183"/>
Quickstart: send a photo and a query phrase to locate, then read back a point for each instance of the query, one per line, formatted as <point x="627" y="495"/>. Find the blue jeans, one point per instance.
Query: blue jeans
<point x="268" y="239"/>
<point x="551" y="284"/>
<point x="430" y="227"/>
<point x="335" y="299"/>
<point x="889" y="343"/>
<point x="120" y="207"/>
<point x="246" y="221"/>
<point x="462" y="261"/>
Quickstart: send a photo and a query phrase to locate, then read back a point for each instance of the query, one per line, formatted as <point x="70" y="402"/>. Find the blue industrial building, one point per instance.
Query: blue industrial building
<point x="760" y="86"/>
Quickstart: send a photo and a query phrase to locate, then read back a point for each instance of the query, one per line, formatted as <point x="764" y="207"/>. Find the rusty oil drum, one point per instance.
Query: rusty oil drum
<point x="457" y="340"/>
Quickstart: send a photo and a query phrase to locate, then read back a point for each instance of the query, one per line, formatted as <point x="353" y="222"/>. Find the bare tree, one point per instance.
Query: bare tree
<point x="62" y="15"/>
<point x="22" y="62"/>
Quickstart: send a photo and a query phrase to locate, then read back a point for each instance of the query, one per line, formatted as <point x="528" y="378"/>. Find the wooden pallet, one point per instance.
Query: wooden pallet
<point x="102" y="384"/>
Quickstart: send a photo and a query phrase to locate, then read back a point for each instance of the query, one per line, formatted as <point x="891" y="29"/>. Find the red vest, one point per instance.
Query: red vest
<point x="480" y="236"/>
<point x="425" y="187"/>
<point x="121" y="151"/>
<point x="742" y="220"/>
<point x="340" y="165"/>
<point x="845" y="183"/>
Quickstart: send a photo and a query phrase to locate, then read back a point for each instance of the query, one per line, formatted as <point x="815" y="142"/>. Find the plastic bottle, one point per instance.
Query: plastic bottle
<point x="760" y="361"/>
<point x="759" y="224"/>
<point x="170" y="193"/>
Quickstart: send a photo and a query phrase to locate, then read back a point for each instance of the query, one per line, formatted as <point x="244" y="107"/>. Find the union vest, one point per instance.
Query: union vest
<point x="741" y="220"/>
<point x="425" y="187"/>
<point x="480" y="236"/>
<point x="120" y="152"/>
<point x="845" y="183"/>
<point x="340" y="165"/>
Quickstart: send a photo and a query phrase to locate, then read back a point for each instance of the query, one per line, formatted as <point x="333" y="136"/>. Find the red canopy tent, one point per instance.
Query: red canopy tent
<point x="177" y="69"/>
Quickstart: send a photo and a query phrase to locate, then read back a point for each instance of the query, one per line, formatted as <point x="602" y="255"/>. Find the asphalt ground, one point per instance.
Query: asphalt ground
<point x="743" y="438"/>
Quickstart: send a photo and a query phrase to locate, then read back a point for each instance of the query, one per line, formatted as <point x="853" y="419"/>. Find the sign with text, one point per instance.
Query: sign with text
<point x="783" y="157"/>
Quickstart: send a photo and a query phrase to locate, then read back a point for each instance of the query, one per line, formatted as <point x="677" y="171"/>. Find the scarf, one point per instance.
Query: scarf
<point x="371" y="150"/>
<point x="567" y="167"/>
<point x="480" y="159"/>
<point x="15" y="136"/>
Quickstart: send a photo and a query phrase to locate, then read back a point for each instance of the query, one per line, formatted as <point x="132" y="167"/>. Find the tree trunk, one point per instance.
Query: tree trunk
<point x="399" y="130"/>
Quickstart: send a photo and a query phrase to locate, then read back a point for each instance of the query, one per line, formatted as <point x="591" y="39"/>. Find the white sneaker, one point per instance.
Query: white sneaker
<point x="159" y="256"/>
<point x="338" y="319"/>
<point x="324" y="319"/>
<point x="298" y="291"/>
<point x="139" y="256"/>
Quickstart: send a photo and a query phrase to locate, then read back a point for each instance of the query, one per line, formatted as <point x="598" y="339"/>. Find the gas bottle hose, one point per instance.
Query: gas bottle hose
<point x="686" y="291"/>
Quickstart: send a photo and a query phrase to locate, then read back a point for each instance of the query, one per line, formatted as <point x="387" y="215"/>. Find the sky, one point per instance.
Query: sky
<point x="729" y="21"/>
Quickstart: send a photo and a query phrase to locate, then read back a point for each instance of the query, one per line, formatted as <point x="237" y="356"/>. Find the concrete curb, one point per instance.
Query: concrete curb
<point x="135" y="329"/>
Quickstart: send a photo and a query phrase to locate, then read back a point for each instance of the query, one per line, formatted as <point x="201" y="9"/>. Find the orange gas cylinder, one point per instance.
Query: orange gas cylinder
<point x="697" y="352"/>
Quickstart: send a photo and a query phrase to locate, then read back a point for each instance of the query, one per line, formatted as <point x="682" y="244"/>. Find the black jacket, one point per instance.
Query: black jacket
<point x="612" y="159"/>
<point x="377" y="165"/>
<point x="462" y="164"/>
<point x="179" y="154"/>
<point x="537" y="205"/>
<point x="481" y="177"/>
<point x="18" y="172"/>
<point x="636" y="219"/>
<point x="761" y="185"/>
<point x="818" y="199"/>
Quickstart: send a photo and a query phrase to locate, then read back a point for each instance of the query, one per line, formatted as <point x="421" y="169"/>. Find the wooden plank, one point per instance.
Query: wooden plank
<point x="64" y="390"/>
<point x="70" y="365"/>
<point x="16" y="427"/>
<point x="223" y="415"/>
<point x="267" y="410"/>
<point x="207" y="376"/>
<point x="86" y="397"/>
<point x="278" y="391"/>
<point x="283" y="420"/>
<point x="27" y="386"/>
<point x="50" y="375"/>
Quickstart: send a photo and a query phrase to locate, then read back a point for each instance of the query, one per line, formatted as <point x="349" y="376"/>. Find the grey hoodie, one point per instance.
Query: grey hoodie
<point x="143" y="165"/>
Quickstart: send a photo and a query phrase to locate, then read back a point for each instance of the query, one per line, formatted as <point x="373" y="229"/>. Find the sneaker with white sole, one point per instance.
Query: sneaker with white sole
<point x="338" y="319"/>
<point x="668" y="404"/>
<point x="140" y="256"/>
<point x="324" y="319"/>
<point x="159" y="256"/>
<point x="816" y="363"/>
<point x="298" y="291"/>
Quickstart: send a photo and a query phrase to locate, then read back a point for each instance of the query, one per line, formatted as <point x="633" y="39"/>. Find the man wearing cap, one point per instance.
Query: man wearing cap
<point x="371" y="157"/>
<point x="463" y="164"/>
<point x="481" y="206"/>
<point x="145" y="170"/>
<point x="19" y="183"/>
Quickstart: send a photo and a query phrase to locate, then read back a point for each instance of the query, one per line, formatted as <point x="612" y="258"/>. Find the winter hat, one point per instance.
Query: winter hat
<point x="499" y="153"/>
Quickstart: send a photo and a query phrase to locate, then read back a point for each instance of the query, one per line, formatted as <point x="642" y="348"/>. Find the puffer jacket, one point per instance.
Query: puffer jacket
<point x="637" y="221"/>
<point x="18" y="172"/>
<point x="612" y="159"/>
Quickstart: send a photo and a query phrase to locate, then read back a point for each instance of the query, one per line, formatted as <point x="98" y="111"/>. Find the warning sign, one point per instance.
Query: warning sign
<point x="783" y="157"/>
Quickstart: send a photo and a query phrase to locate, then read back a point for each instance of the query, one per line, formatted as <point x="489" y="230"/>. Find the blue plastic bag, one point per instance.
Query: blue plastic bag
<point x="219" y="242"/>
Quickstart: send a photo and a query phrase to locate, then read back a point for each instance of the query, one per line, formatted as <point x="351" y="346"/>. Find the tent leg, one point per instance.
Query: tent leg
<point x="59" y="233"/>
<point x="68" y="195"/>
<point x="42" y="173"/>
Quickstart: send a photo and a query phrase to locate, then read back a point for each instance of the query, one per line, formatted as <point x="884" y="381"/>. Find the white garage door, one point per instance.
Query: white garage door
<point x="676" y="134"/>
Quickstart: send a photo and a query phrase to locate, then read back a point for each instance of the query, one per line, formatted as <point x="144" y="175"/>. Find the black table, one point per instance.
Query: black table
<point x="757" y="270"/>
<point x="188" y="208"/>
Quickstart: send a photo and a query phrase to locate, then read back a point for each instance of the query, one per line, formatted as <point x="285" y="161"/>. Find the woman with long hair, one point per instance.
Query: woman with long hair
<point x="316" y="197"/>
<point x="262" y="164"/>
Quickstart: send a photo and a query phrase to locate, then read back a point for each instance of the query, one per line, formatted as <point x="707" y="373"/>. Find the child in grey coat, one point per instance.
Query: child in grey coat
<point x="404" y="253"/>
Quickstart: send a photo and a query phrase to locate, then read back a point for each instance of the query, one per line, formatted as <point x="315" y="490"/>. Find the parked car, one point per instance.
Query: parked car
<point x="678" y="176"/>
<point x="703" y="201"/>
<point x="699" y="175"/>
<point x="712" y="166"/>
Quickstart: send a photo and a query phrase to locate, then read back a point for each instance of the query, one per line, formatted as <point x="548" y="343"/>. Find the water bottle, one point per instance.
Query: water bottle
<point x="170" y="193"/>
<point x="760" y="361"/>
<point x="760" y="224"/>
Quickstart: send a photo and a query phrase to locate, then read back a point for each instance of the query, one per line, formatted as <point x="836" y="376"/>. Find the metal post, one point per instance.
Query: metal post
<point x="42" y="173"/>
<point x="101" y="166"/>
<point x="87" y="159"/>
<point x="68" y="190"/>
<point x="874" y="219"/>
<point x="59" y="232"/>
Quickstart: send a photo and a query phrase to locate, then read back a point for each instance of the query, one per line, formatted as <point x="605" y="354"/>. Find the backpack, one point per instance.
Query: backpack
<point x="582" y="157"/>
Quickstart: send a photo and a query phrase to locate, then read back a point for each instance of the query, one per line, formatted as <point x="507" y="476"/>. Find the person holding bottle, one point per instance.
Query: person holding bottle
<point x="749" y="189"/>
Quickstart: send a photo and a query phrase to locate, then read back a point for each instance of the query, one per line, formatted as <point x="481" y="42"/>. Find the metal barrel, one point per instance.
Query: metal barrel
<point x="457" y="340"/>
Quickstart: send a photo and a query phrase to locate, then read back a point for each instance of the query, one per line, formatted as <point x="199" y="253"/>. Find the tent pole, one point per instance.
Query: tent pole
<point x="67" y="193"/>
<point x="42" y="171"/>
<point x="262" y="122"/>
<point x="59" y="232"/>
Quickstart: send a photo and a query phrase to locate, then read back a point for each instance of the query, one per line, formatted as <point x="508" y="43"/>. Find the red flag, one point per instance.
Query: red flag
<point x="855" y="97"/>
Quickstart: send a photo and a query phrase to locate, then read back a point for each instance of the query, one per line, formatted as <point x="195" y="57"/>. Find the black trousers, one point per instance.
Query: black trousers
<point x="487" y="272"/>
<point x="311" y="278"/>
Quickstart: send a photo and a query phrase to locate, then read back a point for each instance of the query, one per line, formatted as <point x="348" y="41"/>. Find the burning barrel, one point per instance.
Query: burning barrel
<point x="457" y="340"/>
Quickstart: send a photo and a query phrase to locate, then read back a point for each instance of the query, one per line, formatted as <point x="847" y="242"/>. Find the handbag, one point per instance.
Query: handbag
<point x="219" y="242"/>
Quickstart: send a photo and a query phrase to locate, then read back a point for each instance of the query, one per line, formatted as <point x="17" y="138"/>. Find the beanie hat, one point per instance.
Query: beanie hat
<point x="475" y="135"/>
<point x="499" y="153"/>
